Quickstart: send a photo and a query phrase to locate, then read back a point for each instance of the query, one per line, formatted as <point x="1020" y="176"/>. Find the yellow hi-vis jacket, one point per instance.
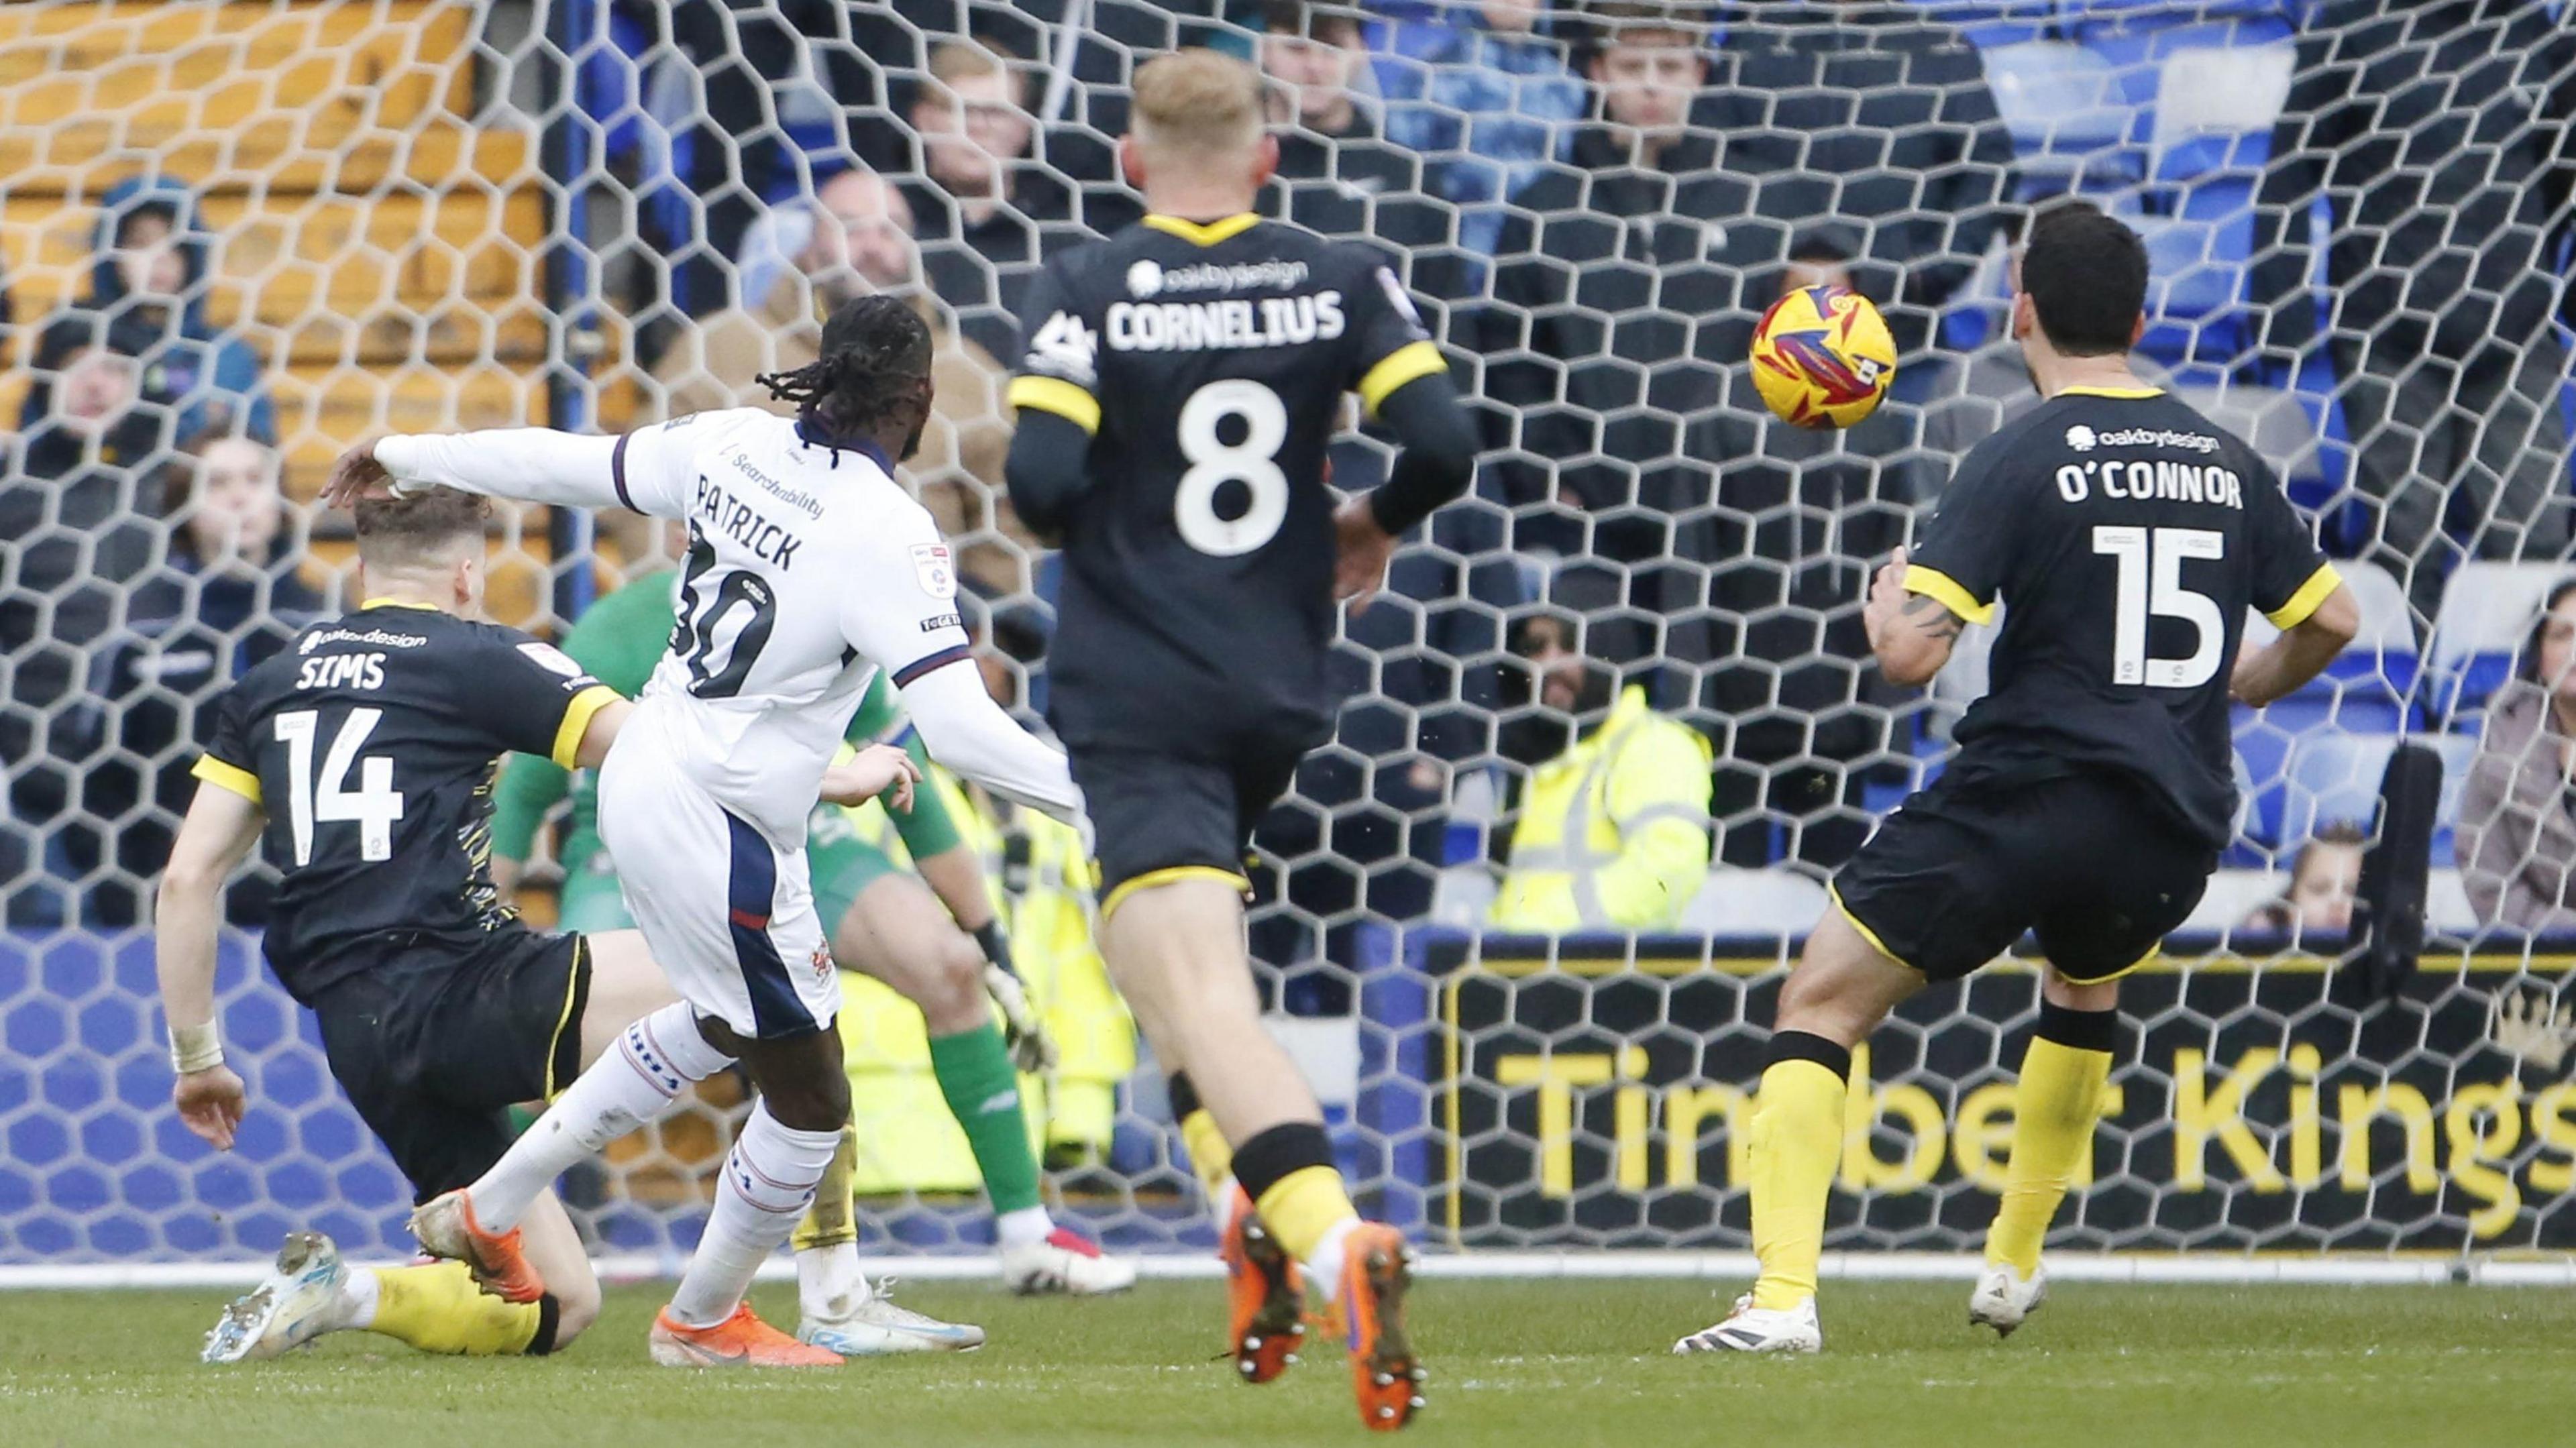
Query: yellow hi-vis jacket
<point x="908" y="1140"/>
<point x="1613" y="833"/>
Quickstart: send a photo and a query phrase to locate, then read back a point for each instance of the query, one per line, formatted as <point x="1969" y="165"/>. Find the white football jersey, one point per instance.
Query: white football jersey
<point x="809" y="568"/>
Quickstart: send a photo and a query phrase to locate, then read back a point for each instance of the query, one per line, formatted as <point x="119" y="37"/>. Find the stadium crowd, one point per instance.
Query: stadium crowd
<point x="1633" y="664"/>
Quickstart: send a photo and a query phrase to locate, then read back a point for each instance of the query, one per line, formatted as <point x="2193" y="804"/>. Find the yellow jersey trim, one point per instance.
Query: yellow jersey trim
<point x="564" y="1022"/>
<point x="1203" y="233"/>
<point x="1940" y="587"/>
<point x="1412" y="361"/>
<point x="2154" y="952"/>
<point x="228" y="776"/>
<point x="398" y="603"/>
<point x="1054" y="394"/>
<point x="2312" y="595"/>
<point x="2126" y="394"/>
<point x="1170" y="875"/>
<point x="1854" y="921"/>
<point x="576" y="721"/>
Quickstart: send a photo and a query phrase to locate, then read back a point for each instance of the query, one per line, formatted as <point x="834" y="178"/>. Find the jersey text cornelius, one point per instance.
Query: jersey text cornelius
<point x="1209" y="326"/>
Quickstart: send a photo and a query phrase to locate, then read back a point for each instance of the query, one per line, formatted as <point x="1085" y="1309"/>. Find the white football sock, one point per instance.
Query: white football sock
<point x="357" y="1305"/>
<point x="1024" y="1228"/>
<point x="829" y="1284"/>
<point x="642" y="1080"/>
<point x="767" y="1183"/>
<point x="1324" y="1269"/>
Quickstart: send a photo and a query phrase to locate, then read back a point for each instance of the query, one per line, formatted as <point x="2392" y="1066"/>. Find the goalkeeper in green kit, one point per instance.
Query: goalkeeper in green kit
<point x="885" y="922"/>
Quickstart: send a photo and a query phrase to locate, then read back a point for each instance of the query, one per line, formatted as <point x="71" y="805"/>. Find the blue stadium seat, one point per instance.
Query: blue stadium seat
<point x="2196" y="289"/>
<point x="2068" y="121"/>
<point x="2334" y="779"/>
<point x="1990" y="24"/>
<point x="2180" y="12"/>
<point x="2269" y="741"/>
<point x="2487" y="609"/>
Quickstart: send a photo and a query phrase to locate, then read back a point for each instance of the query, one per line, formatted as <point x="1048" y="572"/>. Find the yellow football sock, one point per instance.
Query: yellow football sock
<point x="1210" y="1157"/>
<point x="1301" y="1207"/>
<point x="1795" y="1142"/>
<point x="2054" y="1107"/>
<point x="833" y="1219"/>
<point x="437" y="1308"/>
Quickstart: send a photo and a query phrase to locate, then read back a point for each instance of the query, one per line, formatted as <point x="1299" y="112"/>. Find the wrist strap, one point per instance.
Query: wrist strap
<point x="995" y="945"/>
<point x="195" y="1048"/>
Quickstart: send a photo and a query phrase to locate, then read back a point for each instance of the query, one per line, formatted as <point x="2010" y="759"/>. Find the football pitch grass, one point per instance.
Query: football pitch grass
<point x="1553" y="1363"/>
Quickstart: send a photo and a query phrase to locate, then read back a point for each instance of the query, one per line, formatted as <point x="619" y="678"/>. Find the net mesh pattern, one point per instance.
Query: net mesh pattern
<point x="239" y="237"/>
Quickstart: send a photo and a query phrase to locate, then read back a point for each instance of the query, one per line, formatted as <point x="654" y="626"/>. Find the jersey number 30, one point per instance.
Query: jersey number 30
<point x="373" y="806"/>
<point x="1253" y="462"/>
<point x="2151" y="584"/>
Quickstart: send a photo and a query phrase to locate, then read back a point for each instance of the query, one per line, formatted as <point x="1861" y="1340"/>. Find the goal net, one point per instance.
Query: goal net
<point x="240" y="236"/>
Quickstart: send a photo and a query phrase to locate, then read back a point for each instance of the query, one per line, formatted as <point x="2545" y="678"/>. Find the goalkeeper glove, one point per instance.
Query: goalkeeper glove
<point x="1031" y="1051"/>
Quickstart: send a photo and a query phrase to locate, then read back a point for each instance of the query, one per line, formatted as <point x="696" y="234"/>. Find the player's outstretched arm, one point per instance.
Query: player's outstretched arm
<point x="964" y="729"/>
<point x="2301" y="652"/>
<point x="529" y="464"/>
<point x="221" y="828"/>
<point x="1910" y="633"/>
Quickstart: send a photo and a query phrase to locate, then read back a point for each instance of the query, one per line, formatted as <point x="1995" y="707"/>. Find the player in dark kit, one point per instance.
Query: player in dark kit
<point x="1179" y="386"/>
<point x="2092" y="790"/>
<point x="365" y="756"/>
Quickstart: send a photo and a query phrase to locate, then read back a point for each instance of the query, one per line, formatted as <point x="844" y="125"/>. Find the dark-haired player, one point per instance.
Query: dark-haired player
<point x="1178" y="387"/>
<point x="2092" y="789"/>
<point x="809" y="569"/>
<point x="365" y="754"/>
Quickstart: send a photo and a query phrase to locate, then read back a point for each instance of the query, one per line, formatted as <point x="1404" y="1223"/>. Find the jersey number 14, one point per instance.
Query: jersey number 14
<point x="326" y="798"/>
<point x="2150" y="583"/>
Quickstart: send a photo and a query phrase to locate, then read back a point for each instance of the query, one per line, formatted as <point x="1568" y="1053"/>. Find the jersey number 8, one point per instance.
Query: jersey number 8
<point x="1253" y="462"/>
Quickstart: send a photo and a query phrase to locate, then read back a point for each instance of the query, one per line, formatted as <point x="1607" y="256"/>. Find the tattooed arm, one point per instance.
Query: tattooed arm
<point x="1911" y="633"/>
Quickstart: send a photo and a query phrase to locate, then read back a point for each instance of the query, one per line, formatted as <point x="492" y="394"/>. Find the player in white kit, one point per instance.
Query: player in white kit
<point x="809" y="569"/>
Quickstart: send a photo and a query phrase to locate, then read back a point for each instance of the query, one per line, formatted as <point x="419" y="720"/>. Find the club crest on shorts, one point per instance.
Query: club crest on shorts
<point x="932" y="565"/>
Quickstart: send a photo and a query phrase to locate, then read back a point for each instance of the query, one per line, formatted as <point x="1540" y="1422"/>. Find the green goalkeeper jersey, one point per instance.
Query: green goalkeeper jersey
<point x="619" y="641"/>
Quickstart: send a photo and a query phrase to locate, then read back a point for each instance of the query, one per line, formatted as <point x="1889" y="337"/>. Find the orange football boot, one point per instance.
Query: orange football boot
<point x="1377" y="1270"/>
<point x="740" y="1341"/>
<point x="1265" y="1300"/>
<point x="446" y="1228"/>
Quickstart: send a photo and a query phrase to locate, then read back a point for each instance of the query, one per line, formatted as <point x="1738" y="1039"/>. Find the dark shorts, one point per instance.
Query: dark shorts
<point x="1161" y="816"/>
<point x="436" y="1044"/>
<point x="2087" y="862"/>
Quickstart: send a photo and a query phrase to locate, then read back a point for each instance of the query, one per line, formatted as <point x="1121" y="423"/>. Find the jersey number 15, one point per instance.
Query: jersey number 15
<point x="2150" y="583"/>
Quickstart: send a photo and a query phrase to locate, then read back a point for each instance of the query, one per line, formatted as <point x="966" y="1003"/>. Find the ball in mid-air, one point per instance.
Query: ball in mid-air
<point x="1822" y="357"/>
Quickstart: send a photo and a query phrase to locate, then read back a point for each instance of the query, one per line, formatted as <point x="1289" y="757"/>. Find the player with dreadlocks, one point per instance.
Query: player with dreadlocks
<point x="809" y="571"/>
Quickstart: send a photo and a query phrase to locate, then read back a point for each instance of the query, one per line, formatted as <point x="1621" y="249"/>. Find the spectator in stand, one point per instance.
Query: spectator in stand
<point x="1804" y="515"/>
<point x="1867" y="117"/>
<point x="149" y="283"/>
<point x="1612" y="322"/>
<point x="854" y="238"/>
<point x="72" y="534"/>
<point x="2437" y="136"/>
<point x="1336" y="175"/>
<point x="2517" y="840"/>
<point x="228" y="597"/>
<point x="1481" y="91"/>
<point x="2317" y="908"/>
<point x="1612" y="828"/>
<point x="985" y="212"/>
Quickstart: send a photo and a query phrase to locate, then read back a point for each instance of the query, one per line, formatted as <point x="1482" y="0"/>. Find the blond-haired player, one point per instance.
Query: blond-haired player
<point x="1179" y="385"/>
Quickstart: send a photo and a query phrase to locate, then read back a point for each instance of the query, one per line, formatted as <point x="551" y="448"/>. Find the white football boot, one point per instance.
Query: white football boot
<point x="1754" y="1329"/>
<point x="299" y="1301"/>
<point x="2003" y="1301"/>
<point x="874" y="1326"/>
<point x="1066" y="1262"/>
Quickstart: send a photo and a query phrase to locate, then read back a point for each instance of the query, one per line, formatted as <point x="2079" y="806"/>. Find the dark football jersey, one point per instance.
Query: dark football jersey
<point x="372" y="742"/>
<point x="1210" y="363"/>
<point x="2127" y="535"/>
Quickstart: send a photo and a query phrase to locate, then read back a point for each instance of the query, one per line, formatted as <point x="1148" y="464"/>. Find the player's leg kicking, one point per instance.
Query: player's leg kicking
<point x="896" y="931"/>
<point x="2064" y="1072"/>
<point x="731" y="919"/>
<point x="438" y="1307"/>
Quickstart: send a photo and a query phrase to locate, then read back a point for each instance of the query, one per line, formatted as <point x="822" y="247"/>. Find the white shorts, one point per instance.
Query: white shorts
<point x="728" y="914"/>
